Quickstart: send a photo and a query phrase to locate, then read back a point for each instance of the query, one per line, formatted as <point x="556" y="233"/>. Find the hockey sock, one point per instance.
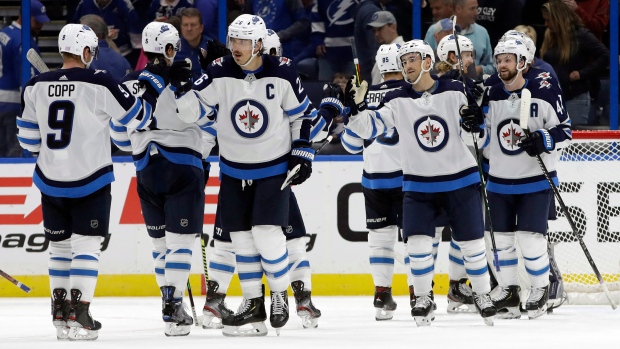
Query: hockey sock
<point x="535" y="257"/>
<point x="508" y="260"/>
<point x="474" y="259"/>
<point x="159" y="260"/>
<point x="381" y="243"/>
<point x="456" y="267"/>
<point x="299" y="266"/>
<point x="59" y="264"/>
<point x="222" y="264"/>
<point x="248" y="263"/>
<point x="271" y="245"/>
<point x="85" y="264"/>
<point x="420" y="250"/>
<point x="436" y="241"/>
<point x="178" y="261"/>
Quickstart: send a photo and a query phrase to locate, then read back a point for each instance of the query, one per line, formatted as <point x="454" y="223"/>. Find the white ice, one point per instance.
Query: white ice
<point x="135" y="322"/>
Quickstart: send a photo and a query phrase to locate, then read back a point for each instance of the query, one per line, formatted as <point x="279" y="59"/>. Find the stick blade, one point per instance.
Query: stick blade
<point x="524" y="113"/>
<point x="33" y="57"/>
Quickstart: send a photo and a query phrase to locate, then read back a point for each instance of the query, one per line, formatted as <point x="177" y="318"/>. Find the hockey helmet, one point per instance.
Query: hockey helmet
<point x="156" y="36"/>
<point x="73" y="38"/>
<point x="529" y="43"/>
<point x="387" y="58"/>
<point x="272" y="41"/>
<point x="448" y="44"/>
<point x="249" y="27"/>
<point x="419" y="46"/>
<point x="513" y="46"/>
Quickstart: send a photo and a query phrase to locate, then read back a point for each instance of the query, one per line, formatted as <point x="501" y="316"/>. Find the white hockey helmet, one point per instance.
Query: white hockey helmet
<point x="419" y="46"/>
<point x="73" y="38"/>
<point x="387" y="58"/>
<point x="529" y="43"/>
<point x="249" y="27"/>
<point x="156" y="36"/>
<point x="448" y="44"/>
<point x="272" y="41"/>
<point x="513" y="46"/>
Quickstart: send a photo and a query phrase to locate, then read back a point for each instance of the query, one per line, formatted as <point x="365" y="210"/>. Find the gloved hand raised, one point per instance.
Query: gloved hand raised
<point x="181" y="77"/>
<point x="215" y="49"/>
<point x="472" y="118"/>
<point x="355" y="96"/>
<point x="537" y="142"/>
<point x="155" y="77"/>
<point x="333" y="98"/>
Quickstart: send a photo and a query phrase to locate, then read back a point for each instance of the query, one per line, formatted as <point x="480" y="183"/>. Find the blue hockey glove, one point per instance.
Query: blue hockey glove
<point x="333" y="99"/>
<point x="302" y="154"/>
<point x="538" y="142"/>
<point x="155" y="77"/>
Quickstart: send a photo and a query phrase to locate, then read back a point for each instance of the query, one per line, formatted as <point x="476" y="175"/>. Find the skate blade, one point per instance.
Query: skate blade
<point x="211" y="322"/>
<point x="258" y="329"/>
<point x="175" y="330"/>
<point x="509" y="313"/>
<point x="425" y="320"/>
<point x="82" y="334"/>
<point x="309" y="322"/>
<point x="382" y="315"/>
<point x="461" y="308"/>
<point x="489" y="321"/>
<point x="534" y="314"/>
<point x="62" y="331"/>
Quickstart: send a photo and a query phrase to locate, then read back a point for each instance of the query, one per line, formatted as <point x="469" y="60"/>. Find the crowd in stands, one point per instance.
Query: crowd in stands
<point x="571" y="35"/>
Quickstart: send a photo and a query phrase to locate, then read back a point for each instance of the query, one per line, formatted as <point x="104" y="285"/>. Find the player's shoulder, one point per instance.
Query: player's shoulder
<point x="388" y="85"/>
<point x="132" y="76"/>
<point x="497" y="92"/>
<point x="541" y="79"/>
<point x="280" y="67"/>
<point x="543" y="89"/>
<point x="403" y="91"/>
<point x="448" y="85"/>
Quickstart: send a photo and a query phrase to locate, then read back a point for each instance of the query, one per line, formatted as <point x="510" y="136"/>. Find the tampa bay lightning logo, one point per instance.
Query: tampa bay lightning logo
<point x="508" y="135"/>
<point x="249" y="118"/>
<point x="431" y="133"/>
<point x="339" y="12"/>
<point x="267" y="10"/>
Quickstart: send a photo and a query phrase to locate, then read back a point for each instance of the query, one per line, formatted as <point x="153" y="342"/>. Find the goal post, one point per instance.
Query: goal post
<point x="589" y="174"/>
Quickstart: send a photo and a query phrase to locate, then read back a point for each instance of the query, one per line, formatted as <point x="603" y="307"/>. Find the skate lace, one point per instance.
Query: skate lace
<point x="503" y="294"/>
<point x="278" y="303"/>
<point x="422" y="302"/>
<point x="536" y="295"/>
<point x="464" y="289"/>
<point x="244" y="306"/>
<point x="483" y="301"/>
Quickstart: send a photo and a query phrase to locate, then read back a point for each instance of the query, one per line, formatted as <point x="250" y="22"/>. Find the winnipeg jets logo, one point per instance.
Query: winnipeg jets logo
<point x="249" y="118"/>
<point x="544" y="76"/>
<point x="431" y="132"/>
<point x="509" y="134"/>
<point x="339" y="12"/>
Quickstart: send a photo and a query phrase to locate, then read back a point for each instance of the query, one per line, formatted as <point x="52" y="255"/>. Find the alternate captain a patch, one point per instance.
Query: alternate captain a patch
<point x="431" y="132"/>
<point x="250" y="118"/>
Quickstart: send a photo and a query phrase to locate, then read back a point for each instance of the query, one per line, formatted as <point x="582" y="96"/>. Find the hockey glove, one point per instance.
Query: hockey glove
<point x="206" y="166"/>
<point x="472" y="118"/>
<point x="301" y="154"/>
<point x="215" y="50"/>
<point x="333" y="97"/>
<point x="538" y="142"/>
<point x="355" y="96"/>
<point x="155" y="77"/>
<point x="474" y="88"/>
<point x="181" y="77"/>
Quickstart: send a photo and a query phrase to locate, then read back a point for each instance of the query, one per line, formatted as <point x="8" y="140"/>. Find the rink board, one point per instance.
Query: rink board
<point x="331" y="202"/>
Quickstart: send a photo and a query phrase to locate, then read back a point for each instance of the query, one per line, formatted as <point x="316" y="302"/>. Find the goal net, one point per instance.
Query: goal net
<point x="589" y="174"/>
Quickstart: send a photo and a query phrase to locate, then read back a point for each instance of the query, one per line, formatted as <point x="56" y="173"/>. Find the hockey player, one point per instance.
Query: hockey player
<point x="382" y="187"/>
<point x="519" y="201"/>
<point x="169" y="168"/>
<point x="264" y="129"/>
<point x="426" y="118"/>
<point x="222" y="262"/>
<point x="65" y="116"/>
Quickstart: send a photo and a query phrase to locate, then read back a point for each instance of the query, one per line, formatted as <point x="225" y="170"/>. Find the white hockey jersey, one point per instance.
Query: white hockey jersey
<point x="382" y="168"/>
<point x="434" y="158"/>
<point x="179" y="142"/>
<point x="65" y="117"/>
<point x="259" y="114"/>
<point x="511" y="169"/>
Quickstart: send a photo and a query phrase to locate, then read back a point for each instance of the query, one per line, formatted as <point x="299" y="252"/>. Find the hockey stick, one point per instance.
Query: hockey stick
<point x="524" y="115"/>
<point x="191" y="302"/>
<point x="483" y="186"/>
<point x="203" y="246"/>
<point x="36" y="61"/>
<point x="292" y="174"/>
<point x="15" y="282"/>
<point x="356" y="63"/>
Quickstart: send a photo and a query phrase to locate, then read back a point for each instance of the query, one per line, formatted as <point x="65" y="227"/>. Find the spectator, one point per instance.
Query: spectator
<point x="332" y="31"/>
<point x="441" y="9"/>
<point x="122" y="20"/>
<point x="466" y="12"/>
<point x="498" y="16"/>
<point x="386" y="32"/>
<point x="208" y="9"/>
<point x="160" y="10"/>
<point x="402" y="9"/>
<point x="440" y="30"/>
<point x="11" y="76"/>
<point x="593" y="13"/>
<point x="109" y="58"/>
<point x="575" y="54"/>
<point x="288" y="19"/>
<point x="364" y="36"/>
<point x="192" y="39"/>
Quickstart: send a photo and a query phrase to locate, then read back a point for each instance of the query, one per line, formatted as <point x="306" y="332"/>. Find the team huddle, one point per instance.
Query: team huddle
<point x="416" y="131"/>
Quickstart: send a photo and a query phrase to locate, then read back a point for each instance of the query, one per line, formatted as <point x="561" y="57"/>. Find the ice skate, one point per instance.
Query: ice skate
<point x="60" y="313"/>
<point x="82" y="326"/>
<point x="279" y="310"/>
<point x="384" y="303"/>
<point x="485" y="307"/>
<point x="308" y="313"/>
<point x="251" y="312"/>
<point x="536" y="304"/>
<point x="423" y="311"/>
<point x="215" y="308"/>
<point x="506" y="301"/>
<point x="178" y="321"/>
<point x="460" y="298"/>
